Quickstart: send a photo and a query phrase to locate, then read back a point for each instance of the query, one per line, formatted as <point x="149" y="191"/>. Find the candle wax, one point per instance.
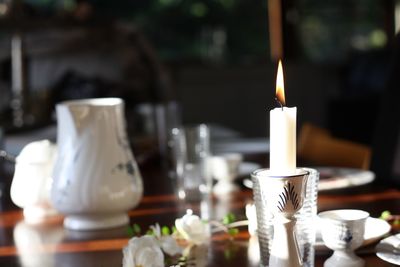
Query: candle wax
<point x="283" y="141"/>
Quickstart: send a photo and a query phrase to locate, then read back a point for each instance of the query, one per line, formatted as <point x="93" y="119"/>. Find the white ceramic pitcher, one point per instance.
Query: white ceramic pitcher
<point x="96" y="178"/>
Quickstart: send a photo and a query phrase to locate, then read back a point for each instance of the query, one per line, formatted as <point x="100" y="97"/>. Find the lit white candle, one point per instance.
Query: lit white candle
<point x="282" y="133"/>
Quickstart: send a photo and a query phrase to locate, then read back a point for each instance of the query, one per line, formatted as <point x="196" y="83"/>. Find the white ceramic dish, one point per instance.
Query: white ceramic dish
<point x="389" y="249"/>
<point x="374" y="230"/>
<point x="336" y="178"/>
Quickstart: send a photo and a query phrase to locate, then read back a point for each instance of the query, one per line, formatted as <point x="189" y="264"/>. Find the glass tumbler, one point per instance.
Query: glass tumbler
<point x="191" y="153"/>
<point x="305" y="225"/>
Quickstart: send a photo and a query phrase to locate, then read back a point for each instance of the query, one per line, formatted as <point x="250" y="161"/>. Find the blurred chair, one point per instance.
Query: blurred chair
<point x="317" y="146"/>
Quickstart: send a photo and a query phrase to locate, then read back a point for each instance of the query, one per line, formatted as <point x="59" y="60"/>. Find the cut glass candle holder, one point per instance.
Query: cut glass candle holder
<point x="305" y="218"/>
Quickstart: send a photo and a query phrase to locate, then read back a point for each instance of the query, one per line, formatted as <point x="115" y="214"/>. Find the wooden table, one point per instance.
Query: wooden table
<point x="49" y="244"/>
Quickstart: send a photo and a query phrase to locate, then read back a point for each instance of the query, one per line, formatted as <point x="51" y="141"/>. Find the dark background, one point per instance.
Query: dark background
<point x="210" y="58"/>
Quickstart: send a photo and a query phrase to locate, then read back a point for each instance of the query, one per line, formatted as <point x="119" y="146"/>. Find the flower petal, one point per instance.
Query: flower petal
<point x="143" y="251"/>
<point x="170" y="246"/>
<point x="127" y="260"/>
<point x="150" y="257"/>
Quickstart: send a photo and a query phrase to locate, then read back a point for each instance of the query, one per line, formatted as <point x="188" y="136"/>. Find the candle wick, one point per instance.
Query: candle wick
<point x="279" y="102"/>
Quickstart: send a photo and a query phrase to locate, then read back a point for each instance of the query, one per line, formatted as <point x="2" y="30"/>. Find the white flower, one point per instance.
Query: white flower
<point x="144" y="252"/>
<point x="168" y="243"/>
<point x="251" y="215"/>
<point x="192" y="228"/>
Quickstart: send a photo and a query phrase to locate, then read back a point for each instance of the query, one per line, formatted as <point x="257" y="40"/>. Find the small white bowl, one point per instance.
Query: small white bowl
<point x="343" y="231"/>
<point x="225" y="169"/>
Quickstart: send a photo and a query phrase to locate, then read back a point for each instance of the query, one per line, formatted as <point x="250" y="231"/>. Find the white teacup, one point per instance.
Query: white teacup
<point x="225" y="168"/>
<point x="343" y="231"/>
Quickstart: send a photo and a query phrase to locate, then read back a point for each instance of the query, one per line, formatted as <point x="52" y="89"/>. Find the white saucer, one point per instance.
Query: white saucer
<point x="389" y="249"/>
<point x="335" y="178"/>
<point x="374" y="230"/>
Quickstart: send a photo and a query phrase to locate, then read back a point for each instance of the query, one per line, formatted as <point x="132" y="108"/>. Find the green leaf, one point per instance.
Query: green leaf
<point x="168" y="261"/>
<point x="165" y="230"/>
<point x="229" y="218"/>
<point x="233" y="231"/>
<point x="174" y="230"/>
<point x="129" y="231"/>
<point x="385" y="215"/>
<point x="396" y="222"/>
<point x="182" y="258"/>
<point x="150" y="232"/>
<point x="136" y="229"/>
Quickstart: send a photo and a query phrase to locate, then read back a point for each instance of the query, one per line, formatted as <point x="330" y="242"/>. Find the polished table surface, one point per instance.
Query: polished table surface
<point x="49" y="244"/>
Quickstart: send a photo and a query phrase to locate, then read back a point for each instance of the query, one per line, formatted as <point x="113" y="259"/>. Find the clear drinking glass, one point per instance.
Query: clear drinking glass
<point x="305" y="225"/>
<point x="191" y="153"/>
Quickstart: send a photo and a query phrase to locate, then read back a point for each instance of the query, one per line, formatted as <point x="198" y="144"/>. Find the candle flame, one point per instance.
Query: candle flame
<point x="280" y="88"/>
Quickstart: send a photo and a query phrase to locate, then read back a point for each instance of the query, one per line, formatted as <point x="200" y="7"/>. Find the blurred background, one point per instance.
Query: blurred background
<point x="212" y="61"/>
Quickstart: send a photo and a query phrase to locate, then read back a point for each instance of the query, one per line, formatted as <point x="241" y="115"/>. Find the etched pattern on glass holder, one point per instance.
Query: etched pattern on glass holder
<point x="265" y="229"/>
<point x="306" y="219"/>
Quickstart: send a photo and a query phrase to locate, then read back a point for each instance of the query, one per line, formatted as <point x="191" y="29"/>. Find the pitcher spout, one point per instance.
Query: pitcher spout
<point x="72" y="118"/>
